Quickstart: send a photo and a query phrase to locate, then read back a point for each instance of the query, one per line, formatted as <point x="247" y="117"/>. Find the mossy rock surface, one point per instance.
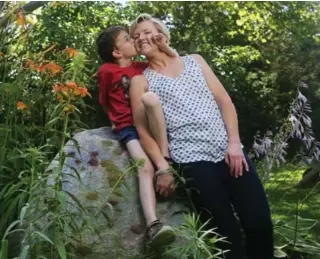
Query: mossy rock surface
<point x="110" y="193"/>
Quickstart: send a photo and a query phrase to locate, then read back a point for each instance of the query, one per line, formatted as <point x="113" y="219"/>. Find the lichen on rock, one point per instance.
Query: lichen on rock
<point x="110" y="194"/>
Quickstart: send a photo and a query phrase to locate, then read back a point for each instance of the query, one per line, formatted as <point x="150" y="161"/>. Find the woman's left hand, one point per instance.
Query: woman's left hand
<point x="236" y="160"/>
<point x="160" y="40"/>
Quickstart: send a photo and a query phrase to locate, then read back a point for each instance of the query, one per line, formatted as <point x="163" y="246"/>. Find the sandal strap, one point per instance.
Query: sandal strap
<point x="155" y="222"/>
<point x="153" y="228"/>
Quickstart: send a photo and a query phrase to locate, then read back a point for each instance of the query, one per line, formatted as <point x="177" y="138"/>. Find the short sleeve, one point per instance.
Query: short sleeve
<point x="104" y="81"/>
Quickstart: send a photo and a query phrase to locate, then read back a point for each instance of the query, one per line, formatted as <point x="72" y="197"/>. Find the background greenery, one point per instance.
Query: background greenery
<point x="265" y="53"/>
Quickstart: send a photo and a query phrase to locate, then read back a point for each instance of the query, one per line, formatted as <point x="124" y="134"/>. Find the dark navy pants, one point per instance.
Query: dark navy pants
<point x="217" y="194"/>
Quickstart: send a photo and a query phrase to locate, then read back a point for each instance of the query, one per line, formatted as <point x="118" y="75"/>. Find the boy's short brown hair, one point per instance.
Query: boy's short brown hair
<point x="106" y="42"/>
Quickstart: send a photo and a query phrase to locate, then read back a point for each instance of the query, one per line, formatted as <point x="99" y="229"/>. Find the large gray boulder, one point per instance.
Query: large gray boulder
<point x="110" y="193"/>
<point x="311" y="176"/>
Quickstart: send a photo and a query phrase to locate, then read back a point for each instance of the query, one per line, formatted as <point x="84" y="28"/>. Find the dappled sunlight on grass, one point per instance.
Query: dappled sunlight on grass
<point x="286" y="200"/>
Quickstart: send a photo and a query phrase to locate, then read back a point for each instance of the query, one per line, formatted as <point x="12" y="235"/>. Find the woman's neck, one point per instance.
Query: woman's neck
<point x="159" y="60"/>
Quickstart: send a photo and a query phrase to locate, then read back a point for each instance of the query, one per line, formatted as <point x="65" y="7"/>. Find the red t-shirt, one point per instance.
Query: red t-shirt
<point x="114" y="83"/>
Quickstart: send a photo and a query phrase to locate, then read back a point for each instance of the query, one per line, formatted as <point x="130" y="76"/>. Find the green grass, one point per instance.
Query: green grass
<point x="284" y="196"/>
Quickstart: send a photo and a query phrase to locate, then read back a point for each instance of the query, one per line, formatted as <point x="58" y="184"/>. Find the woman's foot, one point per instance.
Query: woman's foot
<point x="159" y="234"/>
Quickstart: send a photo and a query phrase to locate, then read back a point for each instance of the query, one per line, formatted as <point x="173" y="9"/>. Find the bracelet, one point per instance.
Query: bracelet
<point x="161" y="172"/>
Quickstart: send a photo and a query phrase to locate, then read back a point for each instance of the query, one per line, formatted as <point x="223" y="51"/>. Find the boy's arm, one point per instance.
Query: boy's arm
<point x="161" y="41"/>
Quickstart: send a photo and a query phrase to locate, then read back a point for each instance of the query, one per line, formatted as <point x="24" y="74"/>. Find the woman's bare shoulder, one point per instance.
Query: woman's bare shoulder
<point x="139" y="81"/>
<point x="197" y="57"/>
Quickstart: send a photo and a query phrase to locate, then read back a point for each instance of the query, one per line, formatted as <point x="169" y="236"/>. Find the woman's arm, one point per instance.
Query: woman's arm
<point x="234" y="157"/>
<point x="223" y="100"/>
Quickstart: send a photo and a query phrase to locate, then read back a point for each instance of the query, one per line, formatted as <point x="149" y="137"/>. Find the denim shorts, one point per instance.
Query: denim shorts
<point x="127" y="134"/>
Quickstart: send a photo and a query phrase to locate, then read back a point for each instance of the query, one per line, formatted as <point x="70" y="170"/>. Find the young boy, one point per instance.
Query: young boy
<point x="116" y="48"/>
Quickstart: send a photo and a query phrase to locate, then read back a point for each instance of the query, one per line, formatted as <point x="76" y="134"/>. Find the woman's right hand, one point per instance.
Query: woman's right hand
<point x="165" y="182"/>
<point x="236" y="159"/>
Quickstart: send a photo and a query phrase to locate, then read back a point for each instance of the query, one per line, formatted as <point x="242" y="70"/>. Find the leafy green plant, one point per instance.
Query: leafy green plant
<point x="197" y="241"/>
<point x="294" y="235"/>
<point x="39" y="112"/>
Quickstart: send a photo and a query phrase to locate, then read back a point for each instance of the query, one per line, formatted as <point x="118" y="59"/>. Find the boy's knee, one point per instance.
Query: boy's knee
<point x="150" y="100"/>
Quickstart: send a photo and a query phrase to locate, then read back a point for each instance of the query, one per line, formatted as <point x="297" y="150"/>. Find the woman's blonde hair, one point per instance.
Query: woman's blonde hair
<point x="161" y="27"/>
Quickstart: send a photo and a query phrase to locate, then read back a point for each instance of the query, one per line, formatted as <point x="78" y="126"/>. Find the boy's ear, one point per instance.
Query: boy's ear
<point x="116" y="54"/>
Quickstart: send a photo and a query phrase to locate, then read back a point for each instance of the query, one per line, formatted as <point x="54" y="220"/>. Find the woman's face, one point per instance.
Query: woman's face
<point x="142" y="36"/>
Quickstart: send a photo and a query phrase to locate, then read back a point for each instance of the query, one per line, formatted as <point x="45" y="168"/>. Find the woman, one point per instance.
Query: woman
<point x="204" y="142"/>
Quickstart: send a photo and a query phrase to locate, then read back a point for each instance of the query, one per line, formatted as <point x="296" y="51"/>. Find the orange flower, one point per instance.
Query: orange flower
<point x="65" y="92"/>
<point x="72" y="85"/>
<point x="1" y="54"/>
<point x="20" y="19"/>
<point x="82" y="91"/>
<point x="21" y="106"/>
<point x="52" y="67"/>
<point x="62" y="96"/>
<point x="71" y="52"/>
<point x="57" y="87"/>
<point x="32" y="65"/>
<point x="29" y="61"/>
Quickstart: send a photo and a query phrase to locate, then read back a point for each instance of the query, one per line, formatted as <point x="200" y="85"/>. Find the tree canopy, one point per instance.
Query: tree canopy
<point x="262" y="51"/>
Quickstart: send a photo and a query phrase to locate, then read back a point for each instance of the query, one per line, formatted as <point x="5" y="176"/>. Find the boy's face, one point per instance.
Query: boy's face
<point x="124" y="46"/>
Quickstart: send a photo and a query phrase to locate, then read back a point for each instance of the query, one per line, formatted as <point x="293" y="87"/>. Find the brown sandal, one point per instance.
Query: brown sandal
<point x="158" y="234"/>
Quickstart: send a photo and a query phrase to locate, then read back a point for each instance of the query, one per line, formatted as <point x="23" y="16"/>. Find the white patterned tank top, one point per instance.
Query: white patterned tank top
<point x="196" y="130"/>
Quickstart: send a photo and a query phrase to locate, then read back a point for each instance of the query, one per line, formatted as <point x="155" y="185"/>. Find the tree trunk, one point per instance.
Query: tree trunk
<point x="33" y="5"/>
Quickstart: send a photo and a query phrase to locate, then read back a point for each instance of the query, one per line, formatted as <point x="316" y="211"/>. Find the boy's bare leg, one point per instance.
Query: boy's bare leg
<point x="157" y="121"/>
<point x="146" y="174"/>
<point x="157" y="234"/>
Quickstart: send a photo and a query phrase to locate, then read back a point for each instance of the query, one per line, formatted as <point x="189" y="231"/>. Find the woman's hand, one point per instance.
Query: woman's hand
<point x="160" y="40"/>
<point x="165" y="184"/>
<point x="236" y="160"/>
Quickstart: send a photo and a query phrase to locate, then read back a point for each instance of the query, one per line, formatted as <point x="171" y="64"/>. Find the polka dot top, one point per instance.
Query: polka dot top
<point x="196" y="130"/>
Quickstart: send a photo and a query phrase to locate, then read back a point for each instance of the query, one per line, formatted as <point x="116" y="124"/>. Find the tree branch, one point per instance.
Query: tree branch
<point x="33" y="5"/>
